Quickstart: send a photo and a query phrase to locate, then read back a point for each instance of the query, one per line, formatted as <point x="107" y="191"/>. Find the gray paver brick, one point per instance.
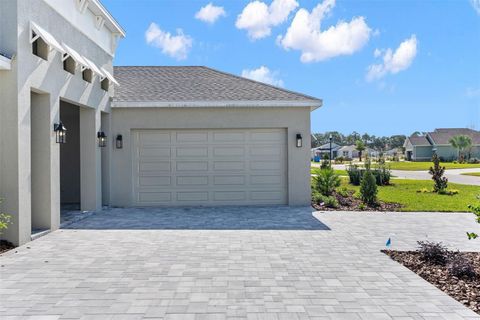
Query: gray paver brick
<point x="230" y="263"/>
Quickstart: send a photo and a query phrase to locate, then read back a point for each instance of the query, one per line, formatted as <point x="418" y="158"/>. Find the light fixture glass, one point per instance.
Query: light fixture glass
<point x="299" y="140"/>
<point x="102" y="139"/>
<point x="60" y="132"/>
<point x="119" y="141"/>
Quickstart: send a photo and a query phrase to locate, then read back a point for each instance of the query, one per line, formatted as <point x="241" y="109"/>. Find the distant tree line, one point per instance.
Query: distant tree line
<point x="371" y="141"/>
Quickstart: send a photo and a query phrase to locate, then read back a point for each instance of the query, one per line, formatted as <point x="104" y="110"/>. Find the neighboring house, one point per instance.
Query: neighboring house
<point x="325" y="150"/>
<point x="421" y="148"/>
<point x="348" y="152"/>
<point x="167" y="136"/>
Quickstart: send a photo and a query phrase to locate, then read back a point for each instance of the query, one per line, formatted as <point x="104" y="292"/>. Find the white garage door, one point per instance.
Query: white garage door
<point x="209" y="167"/>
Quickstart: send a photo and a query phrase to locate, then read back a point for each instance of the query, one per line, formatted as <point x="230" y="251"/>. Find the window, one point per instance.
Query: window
<point x="40" y="47"/>
<point x="69" y="65"/>
<point x="105" y="84"/>
<point x="87" y="75"/>
<point x="345" y="153"/>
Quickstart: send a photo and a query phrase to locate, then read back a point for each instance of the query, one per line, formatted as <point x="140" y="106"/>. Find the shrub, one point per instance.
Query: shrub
<point x="5" y="220"/>
<point x="327" y="201"/>
<point x="475" y="208"/>
<point x="440" y="182"/>
<point x="461" y="267"/>
<point x="473" y="160"/>
<point x="382" y="175"/>
<point x="362" y="206"/>
<point x="354" y="174"/>
<point x="433" y="252"/>
<point x="368" y="187"/>
<point x="343" y="191"/>
<point x="326" y="181"/>
<point x="339" y="159"/>
<point x="325" y="161"/>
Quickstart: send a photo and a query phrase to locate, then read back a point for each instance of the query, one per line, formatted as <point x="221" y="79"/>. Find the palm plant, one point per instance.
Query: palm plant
<point x="360" y="146"/>
<point x="461" y="143"/>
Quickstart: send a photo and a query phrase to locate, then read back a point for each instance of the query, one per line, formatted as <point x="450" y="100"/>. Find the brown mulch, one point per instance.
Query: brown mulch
<point x="466" y="291"/>
<point x="5" y="246"/>
<point x="351" y="203"/>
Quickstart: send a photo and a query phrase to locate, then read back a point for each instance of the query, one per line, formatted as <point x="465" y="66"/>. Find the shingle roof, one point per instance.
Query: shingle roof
<point x="195" y="84"/>
<point x="419" y="140"/>
<point x="443" y="135"/>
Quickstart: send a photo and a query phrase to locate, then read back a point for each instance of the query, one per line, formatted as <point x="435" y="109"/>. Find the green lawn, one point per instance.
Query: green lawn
<point x="339" y="172"/>
<point x="419" y="166"/>
<point x="475" y="174"/>
<point x="405" y="193"/>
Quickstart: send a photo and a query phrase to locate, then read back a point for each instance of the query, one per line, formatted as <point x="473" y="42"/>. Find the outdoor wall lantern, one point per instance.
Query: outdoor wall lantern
<point x="60" y="132"/>
<point x="102" y="139"/>
<point x="119" y="141"/>
<point x="299" y="140"/>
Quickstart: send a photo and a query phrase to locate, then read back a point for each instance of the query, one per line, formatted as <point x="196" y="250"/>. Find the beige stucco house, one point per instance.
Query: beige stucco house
<point x="135" y="136"/>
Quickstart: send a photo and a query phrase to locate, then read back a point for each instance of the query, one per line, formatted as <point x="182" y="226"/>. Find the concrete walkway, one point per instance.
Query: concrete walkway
<point x="235" y="263"/>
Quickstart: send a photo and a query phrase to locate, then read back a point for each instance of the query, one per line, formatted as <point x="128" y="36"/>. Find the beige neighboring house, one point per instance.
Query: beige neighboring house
<point x="166" y="136"/>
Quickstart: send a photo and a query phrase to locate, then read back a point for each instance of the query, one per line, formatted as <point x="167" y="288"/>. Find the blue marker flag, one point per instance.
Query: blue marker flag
<point x="389" y="243"/>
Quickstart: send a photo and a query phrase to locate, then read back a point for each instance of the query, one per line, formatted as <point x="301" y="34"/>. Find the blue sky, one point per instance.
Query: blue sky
<point x="382" y="67"/>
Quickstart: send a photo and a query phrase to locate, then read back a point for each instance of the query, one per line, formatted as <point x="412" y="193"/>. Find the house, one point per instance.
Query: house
<point x="422" y="147"/>
<point x="348" y="152"/>
<point x="324" y="149"/>
<point x="70" y="137"/>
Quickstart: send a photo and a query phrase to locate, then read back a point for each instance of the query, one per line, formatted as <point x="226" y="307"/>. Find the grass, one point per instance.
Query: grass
<point x="475" y="174"/>
<point x="405" y="192"/>
<point x="339" y="172"/>
<point x="424" y="166"/>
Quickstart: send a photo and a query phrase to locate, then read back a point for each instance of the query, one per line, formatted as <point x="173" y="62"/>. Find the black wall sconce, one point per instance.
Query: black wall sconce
<point x="60" y="132"/>
<point x="119" y="141"/>
<point x="299" y="140"/>
<point x="102" y="139"/>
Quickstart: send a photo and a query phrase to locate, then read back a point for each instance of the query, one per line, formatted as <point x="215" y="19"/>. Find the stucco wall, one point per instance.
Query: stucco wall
<point x="295" y="120"/>
<point x="31" y="73"/>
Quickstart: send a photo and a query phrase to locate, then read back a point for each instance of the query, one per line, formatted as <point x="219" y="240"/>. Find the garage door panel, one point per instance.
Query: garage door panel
<point x="155" y="166"/>
<point x="192" y="166"/>
<point x="189" y="152"/>
<point x="210" y="167"/>
<point x="188" y="181"/>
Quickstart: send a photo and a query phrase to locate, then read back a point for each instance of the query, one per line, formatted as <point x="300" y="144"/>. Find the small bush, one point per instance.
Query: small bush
<point x="343" y="191"/>
<point x="461" y="267"/>
<point x="473" y="161"/>
<point x="354" y="174"/>
<point x="327" y="201"/>
<point x="368" y="187"/>
<point x="339" y="159"/>
<point x="382" y="175"/>
<point x="326" y="181"/>
<point x="5" y="220"/>
<point x="440" y="182"/>
<point x="475" y="208"/>
<point x="325" y="161"/>
<point x="362" y="206"/>
<point x="433" y="252"/>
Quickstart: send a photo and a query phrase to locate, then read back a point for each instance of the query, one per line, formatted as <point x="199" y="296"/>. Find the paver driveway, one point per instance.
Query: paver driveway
<point x="258" y="263"/>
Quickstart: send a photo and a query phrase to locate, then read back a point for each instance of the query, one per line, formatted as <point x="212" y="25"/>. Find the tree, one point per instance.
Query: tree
<point x="461" y="143"/>
<point x="360" y="146"/>
<point x="326" y="181"/>
<point x="368" y="186"/>
<point x="440" y="182"/>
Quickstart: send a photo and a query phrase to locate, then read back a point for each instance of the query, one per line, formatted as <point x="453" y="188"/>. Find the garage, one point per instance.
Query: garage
<point x="195" y="136"/>
<point x="210" y="167"/>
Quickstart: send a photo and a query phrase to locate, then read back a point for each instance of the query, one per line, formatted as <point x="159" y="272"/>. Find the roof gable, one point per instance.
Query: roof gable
<point x="442" y="136"/>
<point x="181" y="86"/>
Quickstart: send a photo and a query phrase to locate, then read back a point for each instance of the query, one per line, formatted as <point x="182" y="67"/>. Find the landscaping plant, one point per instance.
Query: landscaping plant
<point x="460" y="267"/>
<point x="475" y="208"/>
<point x="325" y="162"/>
<point x="433" y="252"/>
<point x="368" y="186"/>
<point x="440" y="182"/>
<point x="5" y="220"/>
<point x="360" y="146"/>
<point x="326" y="181"/>
<point x="354" y="174"/>
<point x="461" y="143"/>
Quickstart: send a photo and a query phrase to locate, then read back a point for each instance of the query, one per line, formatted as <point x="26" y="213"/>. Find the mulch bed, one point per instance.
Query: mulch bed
<point x="466" y="291"/>
<point x="351" y="203"/>
<point x="5" y="246"/>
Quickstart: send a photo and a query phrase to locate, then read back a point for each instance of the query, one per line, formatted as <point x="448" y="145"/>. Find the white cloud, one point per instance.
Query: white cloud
<point x="393" y="62"/>
<point x="305" y="34"/>
<point x="476" y="5"/>
<point x="263" y="74"/>
<point x="258" y="18"/>
<point x="176" y="46"/>
<point x="210" y="13"/>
